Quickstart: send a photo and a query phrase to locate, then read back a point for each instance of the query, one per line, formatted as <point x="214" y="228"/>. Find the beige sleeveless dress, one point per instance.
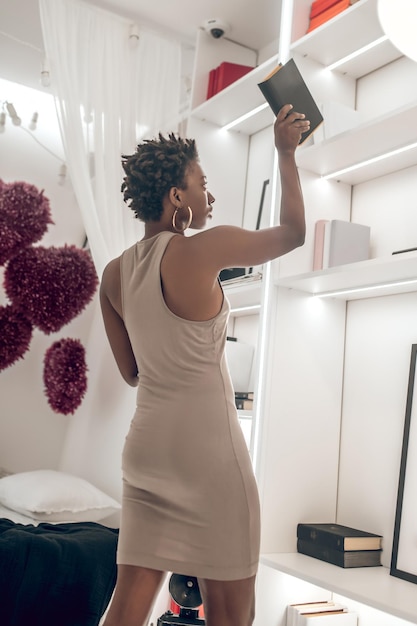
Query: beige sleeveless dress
<point x="190" y="501"/>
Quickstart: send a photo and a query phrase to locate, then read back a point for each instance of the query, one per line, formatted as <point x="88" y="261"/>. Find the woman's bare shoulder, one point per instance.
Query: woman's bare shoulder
<point x="111" y="273"/>
<point x="215" y="236"/>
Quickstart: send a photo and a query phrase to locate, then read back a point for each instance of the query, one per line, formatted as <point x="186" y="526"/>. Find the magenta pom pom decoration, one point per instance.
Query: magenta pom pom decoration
<point x="47" y="288"/>
<point x="51" y="285"/>
<point x="15" y="335"/>
<point x="10" y="242"/>
<point x="24" y="217"/>
<point x="65" y="375"/>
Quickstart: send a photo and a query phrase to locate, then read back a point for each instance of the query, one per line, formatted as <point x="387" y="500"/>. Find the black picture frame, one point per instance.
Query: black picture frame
<point x="404" y="547"/>
<point x="260" y="211"/>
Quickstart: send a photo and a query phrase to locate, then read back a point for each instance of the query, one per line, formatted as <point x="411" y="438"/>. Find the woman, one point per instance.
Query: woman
<point x="190" y="502"/>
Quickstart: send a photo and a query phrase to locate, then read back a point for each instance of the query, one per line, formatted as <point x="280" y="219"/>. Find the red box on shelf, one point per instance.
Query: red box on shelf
<point x="224" y="75"/>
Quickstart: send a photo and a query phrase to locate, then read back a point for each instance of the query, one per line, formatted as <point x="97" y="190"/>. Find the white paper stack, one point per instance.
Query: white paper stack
<point x="325" y="613"/>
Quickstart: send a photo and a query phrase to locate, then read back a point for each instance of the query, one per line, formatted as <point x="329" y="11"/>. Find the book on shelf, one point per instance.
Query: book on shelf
<point x="319" y="230"/>
<point x="244" y="395"/>
<point x="345" y="242"/>
<point x="324" y="12"/>
<point x="311" y="608"/>
<point x="341" y="558"/>
<point x="229" y="73"/>
<point x="339" y="537"/>
<point x="344" y="618"/>
<point x="243" y="405"/>
<point x="211" y="87"/>
<point x="224" y="75"/>
<point x="318" y="6"/>
<point x="232" y="273"/>
<point x="285" y="85"/>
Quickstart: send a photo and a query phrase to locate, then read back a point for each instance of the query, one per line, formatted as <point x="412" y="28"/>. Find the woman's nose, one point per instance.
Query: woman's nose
<point x="211" y="198"/>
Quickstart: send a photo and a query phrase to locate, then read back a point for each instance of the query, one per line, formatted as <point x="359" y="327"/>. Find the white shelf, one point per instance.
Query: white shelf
<point x="362" y="275"/>
<point x="245" y="415"/>
<point x="246" y="292"/>
<point x="347" y="32"/>
<point x="366" y="141"/>
<point x="373" y="586"/>
<point x="238" y="99"/>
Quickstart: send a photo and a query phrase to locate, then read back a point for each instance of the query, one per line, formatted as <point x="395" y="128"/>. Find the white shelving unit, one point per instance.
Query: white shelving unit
<point x="351" y="30"/>
<point x="389" y="132"/>
<point x="324" y="344"/>
<point x="326" y="44"/>
<point x="376" y="277"/>
<point x="373" y="586"/>
<point x="246" y="422"/>
<point x="244" y="294"/>
<point x="237" y="100"/>
<point x="304" y="432"/>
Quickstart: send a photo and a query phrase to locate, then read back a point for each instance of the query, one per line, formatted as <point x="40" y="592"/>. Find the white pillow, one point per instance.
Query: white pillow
<point x="53" y="496"/>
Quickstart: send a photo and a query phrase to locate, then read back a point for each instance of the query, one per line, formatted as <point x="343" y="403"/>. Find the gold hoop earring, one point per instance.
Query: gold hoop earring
<point x="185" y="225"/>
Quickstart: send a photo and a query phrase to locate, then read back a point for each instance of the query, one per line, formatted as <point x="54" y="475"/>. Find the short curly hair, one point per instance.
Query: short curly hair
<point x="155" y="167"/>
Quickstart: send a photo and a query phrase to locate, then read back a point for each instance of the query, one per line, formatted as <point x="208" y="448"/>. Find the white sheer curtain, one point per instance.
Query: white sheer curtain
<point x="109" y="94"/>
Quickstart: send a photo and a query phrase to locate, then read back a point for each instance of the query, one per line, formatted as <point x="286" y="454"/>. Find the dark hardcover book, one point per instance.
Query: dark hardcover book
<point x="232" y="272"/>
<point x="338" y="537"/>
<point x="244" y="395"/>
<point x="285" y="85"/>
<point x="352" y="558"/>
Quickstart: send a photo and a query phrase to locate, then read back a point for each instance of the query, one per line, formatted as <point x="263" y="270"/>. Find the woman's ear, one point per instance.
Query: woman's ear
<point x="174" y="196"/>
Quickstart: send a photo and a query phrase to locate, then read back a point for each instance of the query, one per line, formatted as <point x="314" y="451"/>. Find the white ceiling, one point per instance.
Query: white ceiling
<point x="253" y="23"/>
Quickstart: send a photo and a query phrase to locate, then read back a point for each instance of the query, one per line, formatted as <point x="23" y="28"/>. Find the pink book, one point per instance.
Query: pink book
<point x="318" y="244"/>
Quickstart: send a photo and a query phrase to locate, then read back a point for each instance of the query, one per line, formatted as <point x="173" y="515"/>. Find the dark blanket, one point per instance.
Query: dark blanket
<point x="55" y="574"/>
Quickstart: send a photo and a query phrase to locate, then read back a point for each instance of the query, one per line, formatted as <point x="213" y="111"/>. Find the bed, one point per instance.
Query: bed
<point x="58" y="561"/>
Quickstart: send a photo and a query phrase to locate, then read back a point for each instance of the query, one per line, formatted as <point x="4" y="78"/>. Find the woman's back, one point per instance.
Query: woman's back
<point x="189" y="485"/>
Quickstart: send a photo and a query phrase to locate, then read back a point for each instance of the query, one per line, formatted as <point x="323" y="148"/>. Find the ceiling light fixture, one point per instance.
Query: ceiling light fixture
<point x="246" y="309"/>
<point x="13" y="115"/>
<point x="357" y="53"/>
<point x="133" y="35"/>
<point x="33" y="121"/>
<point x="45" y="74"/>
<point x="62" y="174"/>
<point x="357" y="166"/>
<point x="244" y="117"/>
<point x="367" y="288"/>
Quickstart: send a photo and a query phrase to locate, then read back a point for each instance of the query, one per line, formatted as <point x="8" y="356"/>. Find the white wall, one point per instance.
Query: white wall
<point x="384" y="205"/>
<point x="379" y="335"/>
<point x="344" y="364"/>
<point x="225" y="178"/>
<point x="96" y="433"/>
<point x="400" y="76"/>
<point x="31" y="434"/>
<point x="299" y="458"/>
